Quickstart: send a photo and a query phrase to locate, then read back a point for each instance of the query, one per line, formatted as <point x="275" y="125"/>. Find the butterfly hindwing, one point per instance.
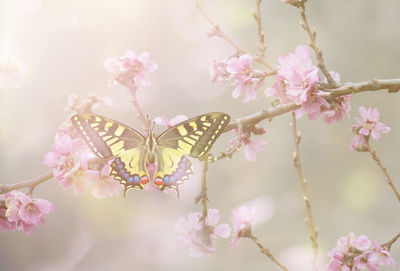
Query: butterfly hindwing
<point x="173" y="168"/>
<point x="195" y="136"/>
<point x="129" y="168"/>
<point x="105" y="137"/>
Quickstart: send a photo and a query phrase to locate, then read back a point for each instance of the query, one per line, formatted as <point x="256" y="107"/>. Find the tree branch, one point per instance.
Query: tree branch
<point x="217" y="31"/>
<point x="389" y="244"/>
<point x="31" y="184"/>
<point x="393" y="85"/>
<point x="303" y="183"/>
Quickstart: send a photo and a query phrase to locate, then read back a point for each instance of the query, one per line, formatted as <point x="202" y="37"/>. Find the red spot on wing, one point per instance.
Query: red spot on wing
<point x="158" y="181"/>
<point x="144" y="180"/>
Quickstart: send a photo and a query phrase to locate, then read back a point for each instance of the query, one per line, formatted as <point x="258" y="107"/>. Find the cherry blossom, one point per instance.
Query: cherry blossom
<point x="69" y="160"/>
<point x="244" y="77"/>
<point x="106" y="186"/>
<point x="20" y="212"/>
<point x="355" y="253"/>
<point x="129" y="70"/>
<point x="243" y="218"/>
<point x="296" y="77"/>
<point x="170" y="122"/>
<point x="198" y="236"/>
<point x="368" y="125"/>
<point x="218" y="72"/>
<point x="76" y="104"/>
<point x="250" y="146"/>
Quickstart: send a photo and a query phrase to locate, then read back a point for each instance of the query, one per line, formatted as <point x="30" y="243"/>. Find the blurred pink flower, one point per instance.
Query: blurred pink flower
<point x="69" y="160"/>
<point x="22" y="212"/>
<point x="77" y="104"/>
<point x="197" y="236"/>
<point x="129" y="70"/>
<point x="218" y="72"/>
<point x="243" y="218"/>
<point x="369" y="125"/>
<point x="250" y="146"/>
<point x="12" y="72"/>
<point x="170" y="122"/>
<point x="354" y="253"/>
<point x="106" y="186"/>
<point x="243" y="77"/>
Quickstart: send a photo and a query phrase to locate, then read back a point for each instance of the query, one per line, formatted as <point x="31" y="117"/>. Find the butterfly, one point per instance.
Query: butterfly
<point x="139" y="160"/>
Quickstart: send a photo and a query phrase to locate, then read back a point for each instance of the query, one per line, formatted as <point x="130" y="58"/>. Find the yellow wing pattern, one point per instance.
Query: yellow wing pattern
<point x="130" y="170"/>
<point x="105" y="137"/>
<point x="173" y="168"/>
<point x="195" y="136"/>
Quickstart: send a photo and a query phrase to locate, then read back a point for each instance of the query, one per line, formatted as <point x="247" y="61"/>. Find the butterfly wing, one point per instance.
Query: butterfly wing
<point x="105" y="137"/>
<point x="193" y="137"/>
<point x="129" y="168"/>
<point x="173" y="168"/>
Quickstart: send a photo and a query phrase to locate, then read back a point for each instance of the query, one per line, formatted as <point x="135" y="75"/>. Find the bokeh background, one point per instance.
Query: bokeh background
<point x="64" y="45"/>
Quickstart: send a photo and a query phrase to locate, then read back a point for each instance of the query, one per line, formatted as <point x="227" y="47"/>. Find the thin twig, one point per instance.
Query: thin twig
<point x="265" y="251"/>
<point x="312" y="34"/>
<point x="257" y="16"/>
<point x="303" y="183"/>
<point x="203" y="194"/>
<point x="218" y="32"/>
<point x="31" y="184"/>
<point x="384" y="170"/>
<point x="146" y="121"/>
<point x="388" y="245"/>
<point x="232" y="149"/>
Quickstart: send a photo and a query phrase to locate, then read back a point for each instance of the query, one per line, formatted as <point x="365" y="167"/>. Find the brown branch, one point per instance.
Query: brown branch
<point x="31" y="184"/>
<point x="388" y="245"/>
<point x="257" y="16"/>
<point x="303" y="183"/>
<point x="384" y="170"/>
<point x="265" y="251"/>
<point x="393" y="85"/>
<point x="203" y="194"/>
<point x="217" y="31"/>
<point x="312" y="34"/>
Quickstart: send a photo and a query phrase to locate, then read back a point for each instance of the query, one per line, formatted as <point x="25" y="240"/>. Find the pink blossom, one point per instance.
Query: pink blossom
<point x="129" y="70"/>
<point x="358" y="143"/>
<point x="12" y="71"/>
<point x="77" y="104"/>
<point x="106" y="186"/>
<point x="368" y="125"/>
<point x="243" y="218"/>
<point x="338" y="109"/>
<point x="250" y="146"/>
<point x="244" y="79"/>
<point x="69" y="160"/>
<point x="296" y="77"/>
<point x="218" y="72"/>
<point x="355" y="253"/>
<point x="170" y="122"/>
<point x="198" y="236"/>
<point x="22" y="212"/>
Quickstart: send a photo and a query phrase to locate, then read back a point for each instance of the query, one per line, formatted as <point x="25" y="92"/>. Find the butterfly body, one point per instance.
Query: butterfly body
<point x="162" y="159"/>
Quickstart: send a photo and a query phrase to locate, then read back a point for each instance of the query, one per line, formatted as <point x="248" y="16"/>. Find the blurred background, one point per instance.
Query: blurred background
<point x="64" y="45"/>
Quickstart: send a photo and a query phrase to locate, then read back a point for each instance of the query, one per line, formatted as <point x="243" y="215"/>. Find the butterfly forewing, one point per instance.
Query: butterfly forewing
<point x="195" y="136"/>
<point x="105" y="137"/>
